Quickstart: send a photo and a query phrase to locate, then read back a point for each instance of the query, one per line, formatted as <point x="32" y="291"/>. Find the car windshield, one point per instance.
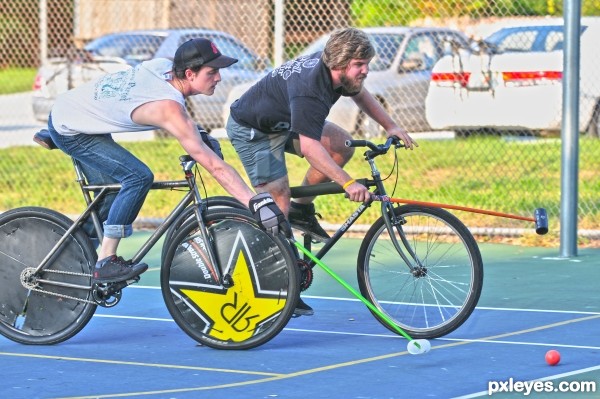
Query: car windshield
<point x="133" y="48"/>
<point x="386" y="48"/>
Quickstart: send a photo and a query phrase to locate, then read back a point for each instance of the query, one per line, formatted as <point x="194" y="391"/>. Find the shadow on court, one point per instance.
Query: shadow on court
<point x="532" y="301"/>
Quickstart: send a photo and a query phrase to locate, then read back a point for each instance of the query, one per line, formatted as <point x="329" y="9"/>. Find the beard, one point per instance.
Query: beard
<point x="352" y="85"/>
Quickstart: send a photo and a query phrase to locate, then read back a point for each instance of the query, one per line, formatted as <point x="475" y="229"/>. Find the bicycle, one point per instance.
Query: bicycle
<point x="419" y="268"/>
<point x="226" y="283"/>
<point x="418" y="265"/>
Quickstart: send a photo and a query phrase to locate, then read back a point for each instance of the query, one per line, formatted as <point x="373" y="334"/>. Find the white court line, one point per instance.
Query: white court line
<point x="329" y="298"/>
<point x="392" y="335"/>
<point x="306" y="330"/>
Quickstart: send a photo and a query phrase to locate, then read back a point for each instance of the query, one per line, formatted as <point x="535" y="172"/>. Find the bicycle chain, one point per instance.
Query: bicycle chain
<point x="28" y="284"/>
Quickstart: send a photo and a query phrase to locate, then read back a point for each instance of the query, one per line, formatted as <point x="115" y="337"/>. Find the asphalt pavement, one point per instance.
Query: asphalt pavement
<point x="17" y="124"/>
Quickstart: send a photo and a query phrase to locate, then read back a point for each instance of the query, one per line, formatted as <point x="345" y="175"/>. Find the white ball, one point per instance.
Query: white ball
<point x="418" y="346"/>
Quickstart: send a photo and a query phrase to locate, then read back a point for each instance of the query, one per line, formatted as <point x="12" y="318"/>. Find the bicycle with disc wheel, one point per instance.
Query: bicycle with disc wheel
<point x="226" y="282"/>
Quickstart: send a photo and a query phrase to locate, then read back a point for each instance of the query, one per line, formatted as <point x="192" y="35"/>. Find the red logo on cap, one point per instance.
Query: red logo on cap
<point x="214" y="48"/>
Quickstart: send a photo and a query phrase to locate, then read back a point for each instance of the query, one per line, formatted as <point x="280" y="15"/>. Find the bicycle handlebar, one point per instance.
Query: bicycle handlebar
<point x="376" y="149"/>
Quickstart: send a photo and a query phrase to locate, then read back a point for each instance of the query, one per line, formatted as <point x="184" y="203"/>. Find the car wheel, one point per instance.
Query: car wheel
<point x="367" y="128"/>
<point x="593" y="129"/>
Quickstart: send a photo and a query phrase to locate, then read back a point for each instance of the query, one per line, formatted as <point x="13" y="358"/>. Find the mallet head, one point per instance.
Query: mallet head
<point x="541" y="221"/>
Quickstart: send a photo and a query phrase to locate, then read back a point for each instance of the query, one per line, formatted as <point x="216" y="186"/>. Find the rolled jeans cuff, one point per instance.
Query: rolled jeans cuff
<point x="117" y="230"/>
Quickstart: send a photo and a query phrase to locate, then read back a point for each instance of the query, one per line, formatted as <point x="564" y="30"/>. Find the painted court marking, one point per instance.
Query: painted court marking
<point x="269" y="377"/>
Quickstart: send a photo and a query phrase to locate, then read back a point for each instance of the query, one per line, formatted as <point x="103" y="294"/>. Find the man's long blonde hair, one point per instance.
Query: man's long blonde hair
<point x="345" y="45"/>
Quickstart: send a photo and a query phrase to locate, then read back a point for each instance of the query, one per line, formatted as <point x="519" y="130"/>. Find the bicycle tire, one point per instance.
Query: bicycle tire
<point x="30" y="317"/>
<point x="263" y="296"/>
<point x="436" y="300"/>
<point x="218" y="201"/>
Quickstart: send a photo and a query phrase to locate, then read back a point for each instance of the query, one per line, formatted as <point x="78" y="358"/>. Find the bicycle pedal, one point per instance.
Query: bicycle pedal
<point x="132" y="280"/>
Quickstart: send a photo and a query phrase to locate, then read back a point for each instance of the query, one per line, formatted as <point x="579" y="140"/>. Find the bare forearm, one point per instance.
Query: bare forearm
<point x="232" y="182"/>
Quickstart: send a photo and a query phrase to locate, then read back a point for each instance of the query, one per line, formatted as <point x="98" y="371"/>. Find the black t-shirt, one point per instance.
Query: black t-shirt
<point x="296" y="96"/>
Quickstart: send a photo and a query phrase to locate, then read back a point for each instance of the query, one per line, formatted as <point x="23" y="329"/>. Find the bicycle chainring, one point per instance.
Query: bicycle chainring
<point x="104" y="296"/>
<point x="306" y="274"/>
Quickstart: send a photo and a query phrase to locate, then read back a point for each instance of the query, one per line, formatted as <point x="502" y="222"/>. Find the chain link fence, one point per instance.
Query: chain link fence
<point x="479" y="147"/>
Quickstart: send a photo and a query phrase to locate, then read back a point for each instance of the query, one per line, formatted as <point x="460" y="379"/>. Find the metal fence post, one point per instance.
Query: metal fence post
<point x="570" y="130"/>
<point x="279" y="39"/>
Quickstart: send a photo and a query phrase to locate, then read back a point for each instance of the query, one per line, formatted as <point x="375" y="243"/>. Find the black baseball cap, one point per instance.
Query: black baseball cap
<point x="200" y="52"/>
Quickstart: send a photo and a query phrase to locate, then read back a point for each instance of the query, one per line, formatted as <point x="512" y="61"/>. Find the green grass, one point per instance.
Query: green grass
<point x="483" y="172"/>
<point x="16" y="80"/>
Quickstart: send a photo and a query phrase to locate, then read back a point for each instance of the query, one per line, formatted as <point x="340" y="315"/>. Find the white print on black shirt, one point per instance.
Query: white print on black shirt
<point x="295" y="66"/>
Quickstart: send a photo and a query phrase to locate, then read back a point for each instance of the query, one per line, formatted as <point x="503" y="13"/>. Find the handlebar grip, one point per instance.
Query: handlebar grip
<point x="356" y="143"/>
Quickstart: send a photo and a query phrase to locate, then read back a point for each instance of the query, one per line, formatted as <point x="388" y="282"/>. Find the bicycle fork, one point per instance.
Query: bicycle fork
<point x="393" y="224"/>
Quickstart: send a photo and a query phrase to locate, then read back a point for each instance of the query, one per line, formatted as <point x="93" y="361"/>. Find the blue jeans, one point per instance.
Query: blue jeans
<point x="105" y="162"/>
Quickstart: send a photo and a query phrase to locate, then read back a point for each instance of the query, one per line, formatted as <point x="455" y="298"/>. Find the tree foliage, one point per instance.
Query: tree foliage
<point x="402" y="12"/>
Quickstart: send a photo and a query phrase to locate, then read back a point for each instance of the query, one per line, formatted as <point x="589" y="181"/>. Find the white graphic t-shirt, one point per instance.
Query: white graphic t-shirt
<point x="105" y="105"/>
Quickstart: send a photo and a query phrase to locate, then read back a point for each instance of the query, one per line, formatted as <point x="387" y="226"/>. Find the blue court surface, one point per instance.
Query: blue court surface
<point x="532" y="301"/>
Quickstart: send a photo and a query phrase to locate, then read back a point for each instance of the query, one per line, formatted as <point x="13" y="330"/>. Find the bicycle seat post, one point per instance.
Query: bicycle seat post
<point x="82" y="181"/>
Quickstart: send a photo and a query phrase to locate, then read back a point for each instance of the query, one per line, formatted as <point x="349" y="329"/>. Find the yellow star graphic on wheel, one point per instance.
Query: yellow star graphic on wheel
<point x="237" y="312"/>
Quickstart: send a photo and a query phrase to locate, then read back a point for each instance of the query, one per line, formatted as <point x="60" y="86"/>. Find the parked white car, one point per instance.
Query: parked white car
<point x="399" y="77"/>
<point x="118" y="51"/>
<point x="516" y="84"/>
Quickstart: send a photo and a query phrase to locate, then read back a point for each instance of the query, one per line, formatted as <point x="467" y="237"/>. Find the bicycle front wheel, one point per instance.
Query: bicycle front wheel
<point x="218" y="201"/>
<point x="33" y="311"/>
<point x="433" y="289"/>
<point x="254" y="301"/>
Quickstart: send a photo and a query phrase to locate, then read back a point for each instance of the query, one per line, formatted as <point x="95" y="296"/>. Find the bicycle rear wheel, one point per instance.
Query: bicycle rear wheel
<point x="35" y="312"/>
<point x="264" y="286"/>
<point x="438" y="290"/>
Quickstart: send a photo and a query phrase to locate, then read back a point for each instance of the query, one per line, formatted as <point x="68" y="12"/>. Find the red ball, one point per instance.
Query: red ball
<point x="552" y="357"/>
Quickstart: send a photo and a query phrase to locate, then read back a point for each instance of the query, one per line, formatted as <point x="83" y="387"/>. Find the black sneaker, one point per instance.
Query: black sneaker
<point x="115" y="269"/>
<point x="302" y="309"/>
<point x="303" y="217"/>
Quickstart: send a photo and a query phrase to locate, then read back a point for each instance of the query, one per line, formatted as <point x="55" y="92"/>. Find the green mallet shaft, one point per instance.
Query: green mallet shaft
<point x="352" y="290"/>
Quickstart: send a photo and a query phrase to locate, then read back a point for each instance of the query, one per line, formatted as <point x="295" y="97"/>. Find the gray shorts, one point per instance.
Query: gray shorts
<point x="262" y="154"/>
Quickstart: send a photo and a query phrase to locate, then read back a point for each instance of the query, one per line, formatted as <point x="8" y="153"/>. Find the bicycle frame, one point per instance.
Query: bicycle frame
<point x="391" y="220"/>
<point x="191" y="197"/>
